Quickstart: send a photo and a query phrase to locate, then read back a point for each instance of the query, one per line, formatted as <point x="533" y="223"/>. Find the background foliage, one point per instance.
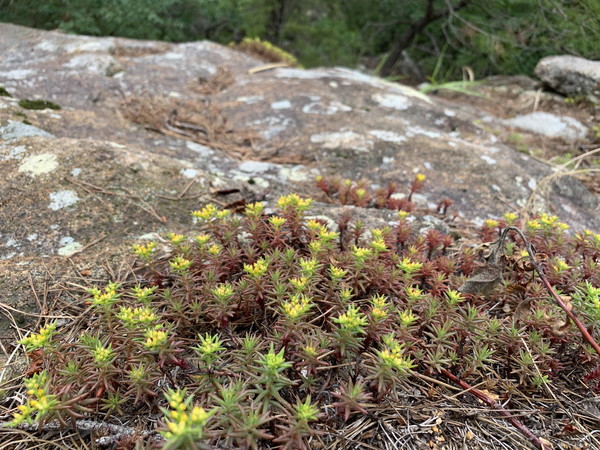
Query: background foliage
<point x="491" y="37"/>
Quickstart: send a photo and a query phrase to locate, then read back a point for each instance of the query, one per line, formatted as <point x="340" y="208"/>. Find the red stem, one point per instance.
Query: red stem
<point x="538" y="268"/>
<point x="486" y="399"/>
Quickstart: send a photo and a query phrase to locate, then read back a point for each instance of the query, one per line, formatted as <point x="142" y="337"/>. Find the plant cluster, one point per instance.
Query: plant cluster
<point x="268" y="329"/>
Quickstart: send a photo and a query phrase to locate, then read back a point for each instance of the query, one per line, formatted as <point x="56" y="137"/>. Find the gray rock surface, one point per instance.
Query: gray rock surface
<point x="149" y="131"/>
<point x="570" y="75"/>
<point x="550" y="125"/>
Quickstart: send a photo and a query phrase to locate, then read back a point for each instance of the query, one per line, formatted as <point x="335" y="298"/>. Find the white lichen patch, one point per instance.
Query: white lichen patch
<point x="32" y="237"/>
<point x="281" y="104"/>
<point x="343" y="139"/>
<point x="62" y="199"/>
<point x="76" y="172"/>
<point x="488" y="160"/>
<point x="39" y="164"/>
<point x="189" y="173"/>
<point x="201" y="150"/>
<point x="18" y="74"/>
<point x="296" y="173"/>
<point x="399" y="102"/>
<point x="255" y="166"/>
<point x="259" y="182"/>
<point x="249" y="100"/>
<point x="532" y="184"/>
<point x="12" y="153"/>
<point x="274" y="126"/>
<point x="388" y="136"/>
<point x="414" y="130"/>
<point x="69" y="246"/>
<point x="331" y="108"/>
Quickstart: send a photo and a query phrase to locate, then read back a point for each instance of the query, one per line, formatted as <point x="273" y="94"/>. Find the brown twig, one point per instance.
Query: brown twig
<point x="487" y="400"/>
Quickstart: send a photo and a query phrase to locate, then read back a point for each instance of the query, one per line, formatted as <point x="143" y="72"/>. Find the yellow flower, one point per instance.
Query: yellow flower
<point x="258" y="269"/>
<point x="180" y="264"/>
<point x="144" y="251"/>
<point x="155" y="339"/>
<point x="176" y="239"/>
<point x="207" y="213"/>
<point x="491" y="223"/>
<point x="420" y="177"/>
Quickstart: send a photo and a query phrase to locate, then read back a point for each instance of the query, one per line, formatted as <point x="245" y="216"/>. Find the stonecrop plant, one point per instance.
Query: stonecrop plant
<point x="270" y="328"/>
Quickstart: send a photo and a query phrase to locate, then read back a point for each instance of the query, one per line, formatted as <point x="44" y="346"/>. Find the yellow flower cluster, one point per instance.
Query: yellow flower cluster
<point x="297" y="306"/>
<point x="407" y="318"/>
<point x="144" y="294"/>
<point x="409" y="266"/>
<point x="352" y="321"/>
<point x="180" y="264"/>
<point x="40" y="403"/>
<point x="337" y="273"/>
<point x="132" y="317"/>
<point x="277" y="221"/>
<point x="258" y="269"/>
<point x="293" y="201"/>
<point x="106" y="298"/>
<point x="103" y="355"/>
<point x="207" y="213"/>
<point x="223" y="292"/>
<point x="510" y="218"/>
<point x="379" y="310"/>
<point x="184" y="424"/>
<point x="144" y="251"/>
<point x="156" y="338"/>
<point x="392" y="356"/>
<point x="254" y="209"/>
<point x="39" y="340"/>
<point x="175" y="238"/>
<point x="547" y="223"/>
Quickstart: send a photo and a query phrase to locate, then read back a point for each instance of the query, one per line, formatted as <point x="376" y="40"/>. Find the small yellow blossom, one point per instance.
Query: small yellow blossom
<point x="254" y="209"/>
<point x="510" y="217"/>
<point x="277" y="221"/>
<point x="39" y="340"/>
<point x="295" y="202"/>
<point x="207" y="213"/>
<point x="407" y="318"/>
<point x="202" y="239"/>
<point x="144" y="251"/>
<point x="297" y="306"/>
<point x="176" y="239"/>
<point x="155" y="338"/>
<point x="337" y="273"/>
<point x="352" y="321"/>
<point x="258" y="269"/>
<point x="491" y="223"/>
<point x="420" y="177"/>
<point x="180" y="264"/>
<point x="215" y="249"/>
<point x="409" y="266"/>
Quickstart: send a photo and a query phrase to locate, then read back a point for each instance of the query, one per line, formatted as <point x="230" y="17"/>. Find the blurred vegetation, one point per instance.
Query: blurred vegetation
<point x="398" y="37"/>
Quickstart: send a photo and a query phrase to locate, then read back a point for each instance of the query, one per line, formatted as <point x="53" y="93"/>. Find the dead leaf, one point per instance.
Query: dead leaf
<point x="487" y="277"/>
<point x="484" y="280"/>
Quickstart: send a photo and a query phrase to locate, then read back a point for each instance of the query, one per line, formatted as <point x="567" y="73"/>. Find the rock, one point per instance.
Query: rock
<point x="570" y="75"/>
<point x="149" y="131"/>
<point x="551" y="125"/>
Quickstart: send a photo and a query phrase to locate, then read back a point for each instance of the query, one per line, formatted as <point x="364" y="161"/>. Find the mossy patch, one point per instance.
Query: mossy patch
<point x="38" y="104"/>
<point x="4" y="92"/>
